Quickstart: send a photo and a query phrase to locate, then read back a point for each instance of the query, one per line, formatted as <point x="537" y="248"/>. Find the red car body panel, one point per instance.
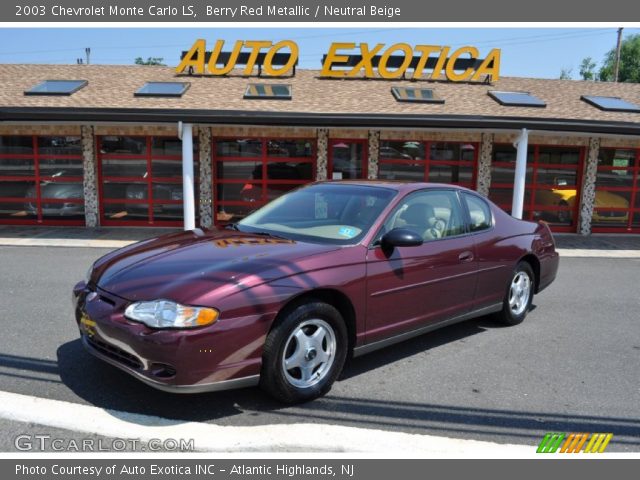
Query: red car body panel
<point x="250" y="278"/>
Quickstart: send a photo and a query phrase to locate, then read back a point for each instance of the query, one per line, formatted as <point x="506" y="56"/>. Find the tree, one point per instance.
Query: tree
<point x="629" y="61"/>
<point x="588" y="69"/>
<point x="565" y="73"/>
<point x="149" y="61"/>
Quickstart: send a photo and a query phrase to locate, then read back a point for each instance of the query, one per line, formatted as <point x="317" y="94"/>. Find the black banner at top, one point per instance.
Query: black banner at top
<point x="238" y="11"/>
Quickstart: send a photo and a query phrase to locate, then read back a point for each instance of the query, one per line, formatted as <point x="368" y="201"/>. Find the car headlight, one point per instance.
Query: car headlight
<point x="168" y="314"/>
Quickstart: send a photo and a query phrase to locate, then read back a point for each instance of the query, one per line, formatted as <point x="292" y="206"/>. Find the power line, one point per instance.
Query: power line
<point x="586" y="32"/>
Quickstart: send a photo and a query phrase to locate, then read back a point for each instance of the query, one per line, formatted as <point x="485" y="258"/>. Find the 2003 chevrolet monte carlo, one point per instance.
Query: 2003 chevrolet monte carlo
<point x="284" y="296"/>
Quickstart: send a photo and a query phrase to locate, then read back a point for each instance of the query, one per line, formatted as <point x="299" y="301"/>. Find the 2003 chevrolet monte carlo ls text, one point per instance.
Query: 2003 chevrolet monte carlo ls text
<point x="284" y="296"/>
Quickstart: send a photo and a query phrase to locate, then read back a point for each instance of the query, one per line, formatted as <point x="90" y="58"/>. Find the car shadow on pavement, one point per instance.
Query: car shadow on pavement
<point x="105" y="386"/>
<point x="408" y="348"/>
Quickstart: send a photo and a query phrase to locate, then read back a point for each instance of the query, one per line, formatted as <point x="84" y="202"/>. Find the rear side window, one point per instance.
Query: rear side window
<point x="479" y="212"/>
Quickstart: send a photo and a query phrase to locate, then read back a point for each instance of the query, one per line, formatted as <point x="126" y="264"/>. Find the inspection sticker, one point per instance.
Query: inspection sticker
<point x="347" y="232"/>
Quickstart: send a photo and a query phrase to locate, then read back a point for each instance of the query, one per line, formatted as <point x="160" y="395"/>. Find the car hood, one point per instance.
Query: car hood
<point x="193" y="267"/>
<point x="608" y="199"/>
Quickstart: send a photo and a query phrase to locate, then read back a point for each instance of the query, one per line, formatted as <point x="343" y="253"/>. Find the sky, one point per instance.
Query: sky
<point x="526" y="52"/>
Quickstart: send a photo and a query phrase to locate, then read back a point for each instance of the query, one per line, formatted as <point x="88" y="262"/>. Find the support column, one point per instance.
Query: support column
<point x="483" y="182"/>
<point x="206" y="177"/>
<point x="188" y="196"/>
<point x="522" y="144"/>
<point x="374" y="154"/>
<point x="588" y="192"/>
<point x="322" y="154"/>
<point x="90" y="177"/>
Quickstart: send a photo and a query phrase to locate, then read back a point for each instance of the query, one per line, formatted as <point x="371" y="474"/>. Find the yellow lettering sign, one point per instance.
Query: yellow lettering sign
<point x="437" y="57"/>
<point x="194" y="60"/>
<point x="392" y="62"/>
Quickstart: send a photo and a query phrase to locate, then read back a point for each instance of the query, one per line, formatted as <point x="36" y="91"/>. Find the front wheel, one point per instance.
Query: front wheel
<point x="517" y="300"/>
<point x="304" y="353"/>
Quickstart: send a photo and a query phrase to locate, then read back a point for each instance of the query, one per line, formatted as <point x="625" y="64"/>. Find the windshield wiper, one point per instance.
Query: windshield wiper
<point x="232" y="226"/>
<point x="268" y="234"/>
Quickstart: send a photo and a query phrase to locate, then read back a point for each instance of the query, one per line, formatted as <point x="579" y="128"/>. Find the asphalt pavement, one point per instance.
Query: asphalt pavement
<point x="572" y="366"/>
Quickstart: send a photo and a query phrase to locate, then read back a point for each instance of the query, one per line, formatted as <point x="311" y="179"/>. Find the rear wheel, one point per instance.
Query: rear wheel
<point x="519" y="295"/>
<point x="304" y="353"/>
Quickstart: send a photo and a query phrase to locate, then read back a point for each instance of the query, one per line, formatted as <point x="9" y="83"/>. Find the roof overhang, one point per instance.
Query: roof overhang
<point x="304" y="119"/>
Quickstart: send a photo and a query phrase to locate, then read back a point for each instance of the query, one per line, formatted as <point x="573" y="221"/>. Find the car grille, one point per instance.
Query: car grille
<point x="115" y="353"/>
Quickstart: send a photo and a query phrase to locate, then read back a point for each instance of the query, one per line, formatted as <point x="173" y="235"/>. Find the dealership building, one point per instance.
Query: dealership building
<point x="107" y="145"/>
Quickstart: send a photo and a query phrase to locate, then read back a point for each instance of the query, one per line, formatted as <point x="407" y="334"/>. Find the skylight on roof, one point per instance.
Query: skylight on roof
<point x="612" y="104"/>
<point x="57" y="87"/>
<point x="268" y="91"/>
<point x="516" y="99"/>
<point x="162" y="89"/>
<point x="418" y="95"/>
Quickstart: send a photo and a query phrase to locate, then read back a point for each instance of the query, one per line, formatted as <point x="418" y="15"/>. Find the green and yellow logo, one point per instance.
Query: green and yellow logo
<point x="574" y="442"/>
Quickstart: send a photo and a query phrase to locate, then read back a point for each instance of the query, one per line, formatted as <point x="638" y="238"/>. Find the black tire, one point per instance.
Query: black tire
<point x="282" y="343"/>
<point x="510" y="315"/>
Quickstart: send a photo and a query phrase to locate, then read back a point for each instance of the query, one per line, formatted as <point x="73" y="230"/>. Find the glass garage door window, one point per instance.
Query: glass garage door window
<point x="617" y="197"/>
<point x="41" y="180"/>
<point x="141" y="180"/>
<point x="417" y="161"/>
<point x="347" y="159"/>
<point x="552" y="185"/>
<point x="249" y="172"/>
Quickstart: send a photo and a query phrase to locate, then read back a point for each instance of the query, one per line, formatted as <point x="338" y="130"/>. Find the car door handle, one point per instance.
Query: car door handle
<point x="466" y="256"/>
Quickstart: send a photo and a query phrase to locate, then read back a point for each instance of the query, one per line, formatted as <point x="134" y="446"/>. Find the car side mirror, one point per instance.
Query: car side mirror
<point x="400" y="237"/>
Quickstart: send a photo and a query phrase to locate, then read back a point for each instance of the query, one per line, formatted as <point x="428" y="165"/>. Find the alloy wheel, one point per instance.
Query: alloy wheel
<point x="309" y="353"/>
<point x="519" y="293"/>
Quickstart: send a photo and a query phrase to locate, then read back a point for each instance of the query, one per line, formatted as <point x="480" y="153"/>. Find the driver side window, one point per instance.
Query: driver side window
<point x="431" y="214"/>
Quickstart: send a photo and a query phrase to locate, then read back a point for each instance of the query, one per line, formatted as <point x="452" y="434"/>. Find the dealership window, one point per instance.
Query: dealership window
<point x="611" y="104"/>
<point x="249" y="172"/>
<point x="41" y="180"/>
<point x="415" y="95"/>
<point x="552" y="185"/>
<point x="162" y="89"/>
<point x="268" y="91"/>
<point x="141" y="180"/>
<point x="516" y="99"/>
<point x="347" y="159"/>
<point x="617" y="197"/>
<point x="57" y="87"/>
<point x="442" y="162"/>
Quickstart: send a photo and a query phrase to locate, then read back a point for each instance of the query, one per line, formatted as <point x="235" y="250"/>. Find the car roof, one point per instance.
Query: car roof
<point x="399" y="185"/>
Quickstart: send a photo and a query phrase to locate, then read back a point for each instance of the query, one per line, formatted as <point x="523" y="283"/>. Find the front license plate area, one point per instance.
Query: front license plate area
<point x="87" y="326"/>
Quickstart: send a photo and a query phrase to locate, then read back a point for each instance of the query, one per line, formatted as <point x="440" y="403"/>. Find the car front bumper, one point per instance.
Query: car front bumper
<point x="222" y="356"/>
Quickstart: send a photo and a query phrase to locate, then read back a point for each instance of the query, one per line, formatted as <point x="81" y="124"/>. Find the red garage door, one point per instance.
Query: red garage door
<point x="416" y="161"/>
<point x="41" y="180"/>
<point x="249" y="172"/>
<point x="141" y="180"/>
<point x="617" y="201"/>
<point x="552" y="190"/>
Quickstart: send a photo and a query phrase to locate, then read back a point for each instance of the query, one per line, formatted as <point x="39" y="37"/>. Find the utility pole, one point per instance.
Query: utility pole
<point x="616" y="66"/>
<point x="87" y="51"/>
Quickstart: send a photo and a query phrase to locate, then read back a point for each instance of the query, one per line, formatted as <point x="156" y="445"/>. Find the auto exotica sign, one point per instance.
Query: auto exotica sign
<point x="345" y="60"/>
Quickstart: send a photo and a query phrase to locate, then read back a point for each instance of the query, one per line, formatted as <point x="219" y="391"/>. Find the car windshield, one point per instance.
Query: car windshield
<point x="322" y="213"/>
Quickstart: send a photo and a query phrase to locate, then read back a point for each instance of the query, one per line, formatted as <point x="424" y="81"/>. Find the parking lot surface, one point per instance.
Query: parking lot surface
<point x="572" y="366"/>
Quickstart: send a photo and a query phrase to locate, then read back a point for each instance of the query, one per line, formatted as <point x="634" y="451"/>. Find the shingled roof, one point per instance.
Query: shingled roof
<point x="110" y="92"/>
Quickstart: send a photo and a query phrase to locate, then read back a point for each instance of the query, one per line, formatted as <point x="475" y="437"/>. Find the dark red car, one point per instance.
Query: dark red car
<point x="332" y="269"/>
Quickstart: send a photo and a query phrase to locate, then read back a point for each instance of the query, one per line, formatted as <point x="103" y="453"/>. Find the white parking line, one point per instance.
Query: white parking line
<point x="264" y="438"/>
<point x="63" y="242"/>
<point x="592" y="253"/>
